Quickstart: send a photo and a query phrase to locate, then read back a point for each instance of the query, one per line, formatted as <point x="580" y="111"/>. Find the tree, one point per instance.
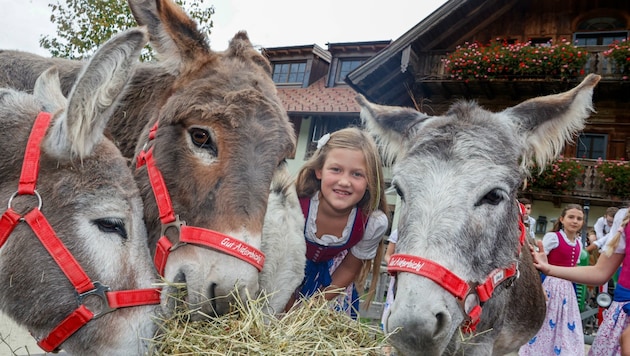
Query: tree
<point x="83" y="25"/>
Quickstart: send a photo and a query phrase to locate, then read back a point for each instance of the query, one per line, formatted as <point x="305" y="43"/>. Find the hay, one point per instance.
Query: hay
<point x="312" y="328"/>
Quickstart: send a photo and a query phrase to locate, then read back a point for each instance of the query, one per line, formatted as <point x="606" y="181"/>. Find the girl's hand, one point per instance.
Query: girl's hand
<point x="540" y="258"/>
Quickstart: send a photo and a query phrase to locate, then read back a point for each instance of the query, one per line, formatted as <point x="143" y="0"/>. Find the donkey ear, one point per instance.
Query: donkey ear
<point x="172" y="33"/>
<point x="47" y="90"/>
<point x="391" y="126"/>
<point x="94" y="96"/>
<point x="549" y="122"/>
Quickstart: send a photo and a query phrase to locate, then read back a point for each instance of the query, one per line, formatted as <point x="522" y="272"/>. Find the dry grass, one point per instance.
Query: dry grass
<point x="312" y="328"/>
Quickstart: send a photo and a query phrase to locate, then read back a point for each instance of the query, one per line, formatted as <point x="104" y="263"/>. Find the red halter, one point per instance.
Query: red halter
<point x="67" y="263"/>
<point x="188" y="234"/>
<point x="459" y="288"/>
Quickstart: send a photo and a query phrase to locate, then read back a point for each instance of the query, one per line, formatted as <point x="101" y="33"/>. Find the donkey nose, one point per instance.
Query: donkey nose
<point x="428" y="328"/>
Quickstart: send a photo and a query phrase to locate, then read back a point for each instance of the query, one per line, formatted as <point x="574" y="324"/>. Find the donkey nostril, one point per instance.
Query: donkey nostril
<point x="441" y="323"/>
<point x="212" y="295"/>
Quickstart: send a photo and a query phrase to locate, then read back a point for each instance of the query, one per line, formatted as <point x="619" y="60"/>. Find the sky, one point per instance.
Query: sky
<point x="270" y="23"/>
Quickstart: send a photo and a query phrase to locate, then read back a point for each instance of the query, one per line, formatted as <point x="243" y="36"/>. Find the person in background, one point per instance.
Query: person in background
<point x="613" y="335"/>
<point x="342" y="195"/>
<point x="389" y="298"/>
<point x="603" y="226"/>
<point x="591" y="247"/>
<point x="528" y="220"/>
<point x="561" y="333"/>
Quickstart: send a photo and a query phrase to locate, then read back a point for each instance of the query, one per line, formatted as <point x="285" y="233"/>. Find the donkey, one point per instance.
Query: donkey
<point x="208" y="131"/>
<point x="73" y="244"/>
<point x="465" y="282"/>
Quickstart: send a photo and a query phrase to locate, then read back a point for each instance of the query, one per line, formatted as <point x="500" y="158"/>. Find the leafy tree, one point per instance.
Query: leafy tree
<point x="83" y="25"/>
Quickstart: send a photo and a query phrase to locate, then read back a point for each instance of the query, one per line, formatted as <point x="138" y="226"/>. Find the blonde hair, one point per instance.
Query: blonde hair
<point x="612" y="244"/>
<point x="374" y="198"/>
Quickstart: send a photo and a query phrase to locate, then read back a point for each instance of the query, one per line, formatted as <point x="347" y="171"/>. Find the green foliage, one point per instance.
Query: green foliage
<point x="83" y="25"/>
<point x="620" y="54"/>
<point x="503" y="60"/>
<point x="615" y="176"/>
<point x="562" y="175"/>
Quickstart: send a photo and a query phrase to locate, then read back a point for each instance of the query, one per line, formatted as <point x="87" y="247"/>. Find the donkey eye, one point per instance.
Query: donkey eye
<point x="494" y="197"/>
<point x="201" y="138"/>
<point x="399" y="192"/>
<point x="112" y="226"/>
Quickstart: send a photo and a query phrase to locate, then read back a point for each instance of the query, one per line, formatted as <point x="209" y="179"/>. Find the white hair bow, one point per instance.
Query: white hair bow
<point x="322" y="140"/>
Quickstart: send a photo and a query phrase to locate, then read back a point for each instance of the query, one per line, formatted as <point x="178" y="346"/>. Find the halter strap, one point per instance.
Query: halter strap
<point x="58" y="251"/>
<point x="458" y="287"/>
<point x="187" y="234"/>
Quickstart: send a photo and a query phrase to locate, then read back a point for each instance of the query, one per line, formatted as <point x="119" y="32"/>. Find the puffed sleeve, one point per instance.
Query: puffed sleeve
<point x="550" y="241"/>
<point x="374" y="231"/>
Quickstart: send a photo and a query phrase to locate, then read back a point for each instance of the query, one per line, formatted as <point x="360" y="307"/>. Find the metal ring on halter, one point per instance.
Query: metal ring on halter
<point x="39" y="199"/>
<point x="99" y="292"/>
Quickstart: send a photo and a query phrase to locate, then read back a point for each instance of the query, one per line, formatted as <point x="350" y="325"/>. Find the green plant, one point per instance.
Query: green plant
<point x="619" y="52"/>
<point x="560" y="175"/>
<point x="504" y="60"/>
<point x="615" y="176"/>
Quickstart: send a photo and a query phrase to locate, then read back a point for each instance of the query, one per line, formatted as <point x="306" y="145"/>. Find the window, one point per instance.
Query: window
<point x="324" y="125"/>
<point x="591" y="146"/>
<point x="541" y="42"/>
<point x="600" y="31"/>
<point x="284" y="73"/>
<point x="599" y="38"/>
<point x="346" y="66"/>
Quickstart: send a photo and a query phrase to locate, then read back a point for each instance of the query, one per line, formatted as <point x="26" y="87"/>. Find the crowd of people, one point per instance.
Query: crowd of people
<point x="556" y="256"/>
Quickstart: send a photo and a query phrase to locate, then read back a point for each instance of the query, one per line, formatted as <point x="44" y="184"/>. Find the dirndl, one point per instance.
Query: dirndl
<point x="561" y="333"/>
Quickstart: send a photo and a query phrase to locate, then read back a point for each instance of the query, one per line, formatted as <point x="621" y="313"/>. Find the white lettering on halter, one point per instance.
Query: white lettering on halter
<point x="227" y="243"/>
<point x="243" y="250"/>
<point x="406" y="263"/>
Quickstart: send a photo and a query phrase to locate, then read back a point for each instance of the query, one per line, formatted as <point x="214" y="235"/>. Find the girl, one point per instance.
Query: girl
<point x="341" y="191"/>
<point x="561" y="333"/>
<point x="611" y="338"/>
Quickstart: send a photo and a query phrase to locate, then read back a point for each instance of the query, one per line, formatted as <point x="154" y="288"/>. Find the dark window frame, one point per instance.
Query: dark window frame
<point x="354" y="62"/>
<point x="586" y="146"/>
<point x="327" y="124"/>
<point x="289" y="72"/>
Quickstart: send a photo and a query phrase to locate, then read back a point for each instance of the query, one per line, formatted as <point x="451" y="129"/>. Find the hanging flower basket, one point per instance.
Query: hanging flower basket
<point x="619" y="52"/>
<point x="615" y="176"/>
<point x="562" y="175"/>
<point x="518" y="60"/>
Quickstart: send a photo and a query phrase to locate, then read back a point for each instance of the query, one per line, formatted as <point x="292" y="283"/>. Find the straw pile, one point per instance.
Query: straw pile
<point x="312" y="328"/>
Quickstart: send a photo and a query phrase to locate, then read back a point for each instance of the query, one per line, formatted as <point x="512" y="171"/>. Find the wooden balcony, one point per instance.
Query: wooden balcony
<point x="434" y="80"/>
<point x="588" y="188"/>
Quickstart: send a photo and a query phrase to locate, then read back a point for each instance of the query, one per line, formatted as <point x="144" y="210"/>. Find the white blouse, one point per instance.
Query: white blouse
<point x="550" y="241"/>
<point x="364" y="249"/>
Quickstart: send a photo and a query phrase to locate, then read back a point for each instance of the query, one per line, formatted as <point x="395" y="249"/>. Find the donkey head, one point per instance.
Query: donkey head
<point x="87" y="194"/>
<point x="221" y="134"/>
<point x="458" y="176"/>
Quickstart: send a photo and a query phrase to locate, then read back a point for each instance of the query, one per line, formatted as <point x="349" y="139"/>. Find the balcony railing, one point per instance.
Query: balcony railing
<point x="588" y="186"/>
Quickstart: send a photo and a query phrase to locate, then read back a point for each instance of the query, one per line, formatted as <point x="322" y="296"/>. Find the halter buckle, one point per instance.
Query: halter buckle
<point x="102" y="305"/>
<point x="177" y="225"/>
